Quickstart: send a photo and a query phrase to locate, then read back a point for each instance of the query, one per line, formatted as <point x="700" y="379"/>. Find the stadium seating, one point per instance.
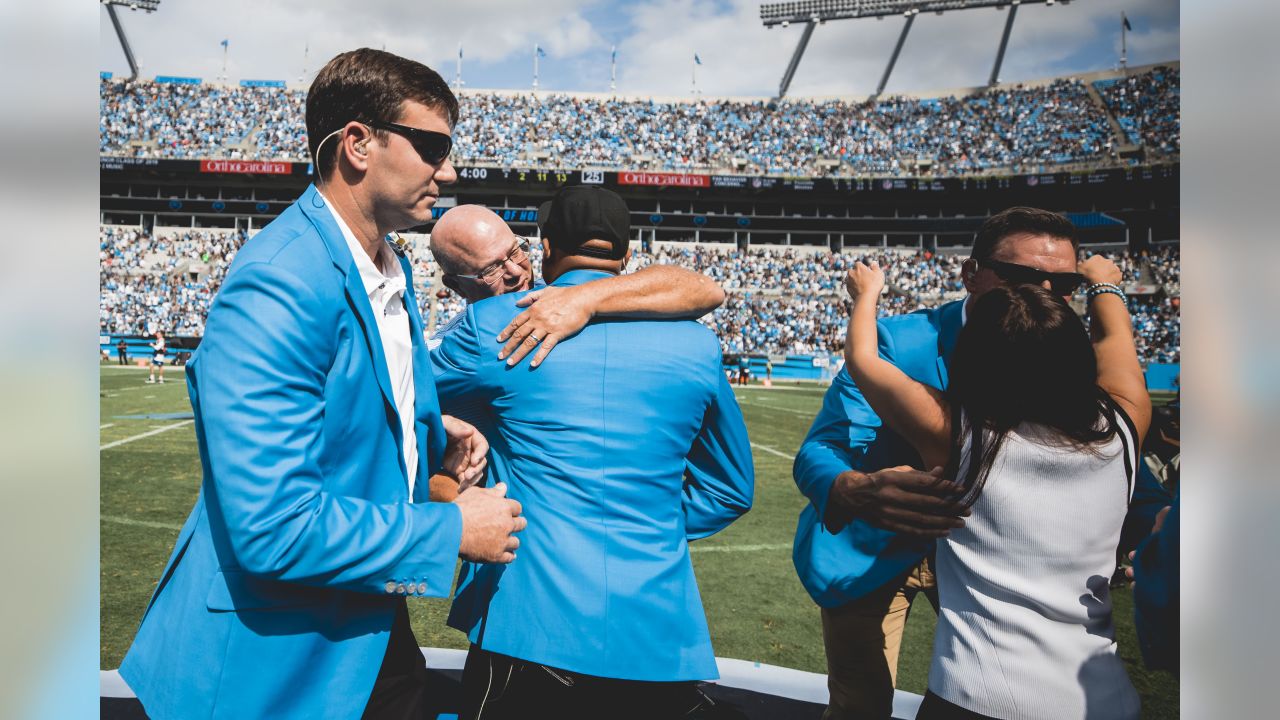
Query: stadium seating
<point x="1001" y="128"/>
<point x="1147" y="106"/>
<point x="781" y="300"/>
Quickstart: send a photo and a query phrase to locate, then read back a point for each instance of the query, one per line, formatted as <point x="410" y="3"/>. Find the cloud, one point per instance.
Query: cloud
<point x="656" y="41"/>
<point x="267" y="39"/>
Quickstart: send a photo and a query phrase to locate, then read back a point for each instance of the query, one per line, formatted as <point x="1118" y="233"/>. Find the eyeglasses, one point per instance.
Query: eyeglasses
<point x="1061" y="283"/>
<point x="433" y="146"/>
<point x="490" y="275"/>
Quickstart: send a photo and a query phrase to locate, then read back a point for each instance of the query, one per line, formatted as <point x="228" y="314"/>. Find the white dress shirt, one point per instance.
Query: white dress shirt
<point x="385" y="283"/>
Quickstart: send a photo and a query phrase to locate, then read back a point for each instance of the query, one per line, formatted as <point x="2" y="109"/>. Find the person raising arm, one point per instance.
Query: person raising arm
<point x="922" y="414"/>
<point x="1111" y="330"/>
<point x="916" y="411"/>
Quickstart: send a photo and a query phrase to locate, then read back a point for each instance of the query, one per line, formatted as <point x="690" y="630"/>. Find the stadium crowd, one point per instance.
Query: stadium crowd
<point x="781" y="301"/>
<point x="994" y="129"/>
<point x="1147" y="106"/>
<point x="161" y="282"/>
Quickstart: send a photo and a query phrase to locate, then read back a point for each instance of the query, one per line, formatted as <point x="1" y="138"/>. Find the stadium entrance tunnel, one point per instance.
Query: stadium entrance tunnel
<point x="761" y="692"/>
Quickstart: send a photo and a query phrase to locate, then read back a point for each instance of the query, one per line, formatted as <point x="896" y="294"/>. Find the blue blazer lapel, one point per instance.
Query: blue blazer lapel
<point x="315" y="208"/>
<point x="426" y="403"/>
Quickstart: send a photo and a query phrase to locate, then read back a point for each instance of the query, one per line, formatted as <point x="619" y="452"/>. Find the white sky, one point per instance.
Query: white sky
<point x="656" y="41"/>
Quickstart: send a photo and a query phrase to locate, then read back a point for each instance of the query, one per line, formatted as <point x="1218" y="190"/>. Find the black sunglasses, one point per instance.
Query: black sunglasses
<point x="1061" y="283"/>
<point x="433" y="146"/>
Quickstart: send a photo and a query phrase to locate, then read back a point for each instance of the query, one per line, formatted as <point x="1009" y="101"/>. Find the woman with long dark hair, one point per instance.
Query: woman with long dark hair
<point x="1040" y="427"/>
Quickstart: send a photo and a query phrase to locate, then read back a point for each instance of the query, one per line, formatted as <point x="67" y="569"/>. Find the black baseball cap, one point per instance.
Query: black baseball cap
<point x="580" y="213"/>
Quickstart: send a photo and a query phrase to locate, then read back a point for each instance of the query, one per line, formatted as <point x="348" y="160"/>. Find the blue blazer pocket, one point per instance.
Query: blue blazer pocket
<point x="233" y="590"/>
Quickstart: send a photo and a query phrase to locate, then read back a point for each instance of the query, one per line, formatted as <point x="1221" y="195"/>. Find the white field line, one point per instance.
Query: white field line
<point x="140" y="523"/>
<point x="104" y="426"/>
<point x="771" y="451"/>
<point x="779" y="409"/>
<point x="149" y="433"/>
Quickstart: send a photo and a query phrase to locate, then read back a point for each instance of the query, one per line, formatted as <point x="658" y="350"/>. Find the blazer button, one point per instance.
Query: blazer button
<point x="422" y="588"/>
<point x="390" y="587"/>
<point x="400" y="588"/>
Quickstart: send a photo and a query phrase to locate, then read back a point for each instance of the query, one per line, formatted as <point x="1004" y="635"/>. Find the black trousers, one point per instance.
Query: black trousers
<point x="498" y="687"/>
<point x="400" y="691"/>
<point x="936" y="708"/>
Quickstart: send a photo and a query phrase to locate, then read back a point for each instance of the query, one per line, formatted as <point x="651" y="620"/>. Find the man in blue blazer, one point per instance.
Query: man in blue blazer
<point x="864" y="543"/>
<point x="600" y="615"/>
<point x="318" y="425"/>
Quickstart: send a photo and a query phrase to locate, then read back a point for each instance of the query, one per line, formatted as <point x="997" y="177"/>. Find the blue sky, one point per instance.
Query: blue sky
<point x="656" y="41"/>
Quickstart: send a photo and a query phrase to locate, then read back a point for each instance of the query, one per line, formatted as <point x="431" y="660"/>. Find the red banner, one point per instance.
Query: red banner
<point x="675" y="179"/>
<point x="255" y="167"/>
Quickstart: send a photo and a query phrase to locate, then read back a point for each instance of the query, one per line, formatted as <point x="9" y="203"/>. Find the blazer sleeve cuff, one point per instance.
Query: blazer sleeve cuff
<point x="430" y="570"/>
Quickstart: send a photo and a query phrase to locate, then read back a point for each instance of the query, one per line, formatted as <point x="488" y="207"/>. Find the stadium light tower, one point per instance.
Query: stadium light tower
<point x="817" y="12"/>
<point x="143" y="5"/>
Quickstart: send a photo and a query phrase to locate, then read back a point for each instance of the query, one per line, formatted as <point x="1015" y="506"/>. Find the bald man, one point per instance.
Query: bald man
<point x="481" y="258"/>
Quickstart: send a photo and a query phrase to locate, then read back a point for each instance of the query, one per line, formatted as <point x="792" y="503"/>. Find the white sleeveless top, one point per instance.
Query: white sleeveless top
<point x="1025" y="625"/>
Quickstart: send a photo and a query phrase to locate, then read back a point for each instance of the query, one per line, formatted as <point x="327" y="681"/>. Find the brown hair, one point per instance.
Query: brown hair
<point x="367" y="86"/>
<point x="1014" y="220"/>
<point x="1023" y="356"/>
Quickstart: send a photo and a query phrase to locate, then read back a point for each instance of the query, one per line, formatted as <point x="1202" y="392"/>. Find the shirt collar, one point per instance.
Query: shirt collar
<point x="386" y="276"/>
<point x="580" y="276"/>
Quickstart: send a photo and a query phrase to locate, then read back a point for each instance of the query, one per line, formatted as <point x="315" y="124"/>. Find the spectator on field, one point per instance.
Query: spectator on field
<point x="158" y="358"/>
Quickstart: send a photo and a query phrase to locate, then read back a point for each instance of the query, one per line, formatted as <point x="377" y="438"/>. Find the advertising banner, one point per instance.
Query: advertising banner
<point x="247" y="167"/>
<point x="665" y="179"/>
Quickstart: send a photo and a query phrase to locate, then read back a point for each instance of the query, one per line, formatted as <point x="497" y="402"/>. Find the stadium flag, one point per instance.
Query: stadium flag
<point x="1125" y="19"/>
<point x="224" y="44"/>
<point x="697" y="59"/>
<point x="613" y="68"/>
<point x="537" y="53"/>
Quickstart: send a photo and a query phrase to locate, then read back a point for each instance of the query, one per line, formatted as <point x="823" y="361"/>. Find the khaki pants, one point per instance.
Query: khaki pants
<point x="862" y="641"/>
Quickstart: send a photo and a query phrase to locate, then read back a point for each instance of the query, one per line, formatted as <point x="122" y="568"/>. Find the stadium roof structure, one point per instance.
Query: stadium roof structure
<point x="143" y="5"/>
<point x="817" y="12"/>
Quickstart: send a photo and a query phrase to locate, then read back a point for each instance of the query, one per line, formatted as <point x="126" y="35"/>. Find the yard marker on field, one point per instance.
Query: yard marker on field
<point x="779" y="409"/>
<point x="157" y="431"/>
<point x="770" y="450"/>
<point x="140" y="523"/>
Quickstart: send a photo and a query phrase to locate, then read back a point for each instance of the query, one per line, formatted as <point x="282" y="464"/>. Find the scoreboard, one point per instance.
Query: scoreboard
<point x="665" y="204"/>
<point x="547" y="180"/>
<point x="512" y="178"/>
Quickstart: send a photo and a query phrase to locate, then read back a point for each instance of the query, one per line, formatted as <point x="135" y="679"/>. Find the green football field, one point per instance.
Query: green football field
<point x="756" y="608"/>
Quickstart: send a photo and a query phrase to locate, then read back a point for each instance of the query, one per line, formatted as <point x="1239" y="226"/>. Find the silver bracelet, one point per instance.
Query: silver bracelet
<point x="1106" y="289"/>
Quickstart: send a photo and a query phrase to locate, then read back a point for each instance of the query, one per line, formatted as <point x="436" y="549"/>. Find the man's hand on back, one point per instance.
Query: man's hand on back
<point x="553" y="314"/>
<point x="465" y="452"/>
<point x="489" y="524"/>
<point x="900" y="499"/>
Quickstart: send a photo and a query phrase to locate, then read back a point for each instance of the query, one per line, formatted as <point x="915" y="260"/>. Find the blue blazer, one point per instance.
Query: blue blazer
<point x="279" y="596"/>
<point x="847" y="434"/>
<point x="594" y="444"/>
